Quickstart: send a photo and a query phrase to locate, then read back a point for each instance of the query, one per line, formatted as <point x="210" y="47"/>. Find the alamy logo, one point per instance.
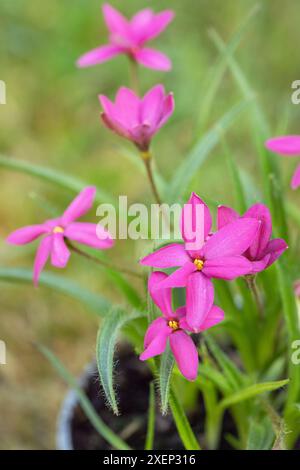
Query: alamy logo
<point x="2" y="353"/>
<point x="295" y="98"/>
<point x="2" y="92"/>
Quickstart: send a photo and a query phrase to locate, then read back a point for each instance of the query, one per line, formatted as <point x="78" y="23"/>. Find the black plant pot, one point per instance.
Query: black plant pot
<point x="133" y="378"/>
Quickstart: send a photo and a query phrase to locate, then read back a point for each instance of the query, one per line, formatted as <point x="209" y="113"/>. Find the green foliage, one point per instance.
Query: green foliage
<point x="165" y="375"/>
<point x="59" y="283"/>
<point x="151" y="419"/>
<point x="105" y="349"/>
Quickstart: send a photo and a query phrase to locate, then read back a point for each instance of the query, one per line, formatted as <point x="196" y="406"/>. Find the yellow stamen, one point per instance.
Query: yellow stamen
<point x="199" y="263"/>
<point x="173" y="324"/>
<point x="58" y="229"/>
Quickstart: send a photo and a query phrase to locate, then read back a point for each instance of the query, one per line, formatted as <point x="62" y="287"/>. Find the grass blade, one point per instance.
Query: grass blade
<point x="85" y="403"/>
<point x="250" y="392"/>
<point x="61" y="284"/>
<point x="151" y="419"/>
<point x="52" y="176"/>
<point x="183" y="426"/>
<point x="191" y="164"/>
<point x="234" y="376"/>
<point x="217" y="72"/>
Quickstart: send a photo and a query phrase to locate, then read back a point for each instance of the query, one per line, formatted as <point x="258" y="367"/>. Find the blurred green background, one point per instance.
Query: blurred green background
<point x="52" y="118"/>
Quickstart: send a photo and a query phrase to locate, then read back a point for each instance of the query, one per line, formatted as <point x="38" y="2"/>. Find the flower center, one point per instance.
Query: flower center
<point x="199" y="263"/>
<point x="174" y="325"/>
<point x="58" y="229"/>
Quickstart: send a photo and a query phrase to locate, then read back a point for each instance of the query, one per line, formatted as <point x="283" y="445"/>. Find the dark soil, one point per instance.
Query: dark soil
<point x="132" y="379"/>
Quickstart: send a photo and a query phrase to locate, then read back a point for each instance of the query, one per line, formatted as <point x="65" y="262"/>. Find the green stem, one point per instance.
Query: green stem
<point x="147" y="158"/>
<point x="102" y="263"/>
<point x="134" y="76"/>
<point x="250" y="279"/>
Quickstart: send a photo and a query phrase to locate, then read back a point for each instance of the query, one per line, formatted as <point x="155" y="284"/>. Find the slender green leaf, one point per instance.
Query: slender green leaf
<point x="269" y="167"/>
<point x="213" y="419"/>
<point x="125" y="287"/>
<point x="217" y="72"/>
<point x="183" y="426"/>
<point x="165" y="374"/>
<point x="294" y="212"/>
<point x="217" y="378"/>
<point x="250" y="392"/>
<point x="85" y="403"/>
<point x="53" y="176"/>
<point x="190" y="165"/>
<point x="151" y="419"/>
<point x="61" y="284"/>
<point x="105" y="348"/>
<point x="292" y="323"/>
<point x="238" y="188"/>
<point x="234" y="376"/>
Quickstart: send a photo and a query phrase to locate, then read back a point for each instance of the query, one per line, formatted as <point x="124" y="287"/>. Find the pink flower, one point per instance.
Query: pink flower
<point x="263" y="251"/>
<point x="288" y="146"/>
<point x="137" y="119"/>
<point x="55" y="231"/>
<point x="129" y="37"/>
<point x="218" y="257"/>
<point x="173" y="326"/>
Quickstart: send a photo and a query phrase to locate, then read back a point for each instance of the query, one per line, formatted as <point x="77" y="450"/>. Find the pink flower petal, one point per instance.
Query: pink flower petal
<point x="185" y="353"/>
<point x="231" y="240"/>
<point x="153" y="59"/>
<point x="158" y="343"/>
<point x="99" y="55"/>
<point x="127" y="106"/>
<point x="260" y="212"/>
<point x="167" y="110"/>
<point x="199" y="299"/>
<point x="227" y="267"/>
<point x="180" y="312"/>
<point x="275" y="248"/>
<point x="116" y="23"/>
<point x="195" y="219"/>
<point x="59" y="252"/>
<point x="140" y="24"/>
<point x="214" y="316"/>
<point x="179" y="278"/>
<point x="260" y="265"/>
<point x="225" y="216"/>
<point x="115" y="126"/>
<point x="152" y="103"/>
<point x="169" y="256"/>
<point x="89" y="234"/>
<point x="41" y="257"/>
<point x="288" y="145"/>
<point x="154" y="330"/>
<point x="80" y="205"/>
<point x="158" y="24"/>
<point x="161" y="297"/>
<point x="295" y="183"/>
<point x="27" y="234"/>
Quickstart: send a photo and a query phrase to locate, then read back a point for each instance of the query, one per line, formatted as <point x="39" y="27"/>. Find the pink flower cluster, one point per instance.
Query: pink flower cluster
<point x="241" y="246"/>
